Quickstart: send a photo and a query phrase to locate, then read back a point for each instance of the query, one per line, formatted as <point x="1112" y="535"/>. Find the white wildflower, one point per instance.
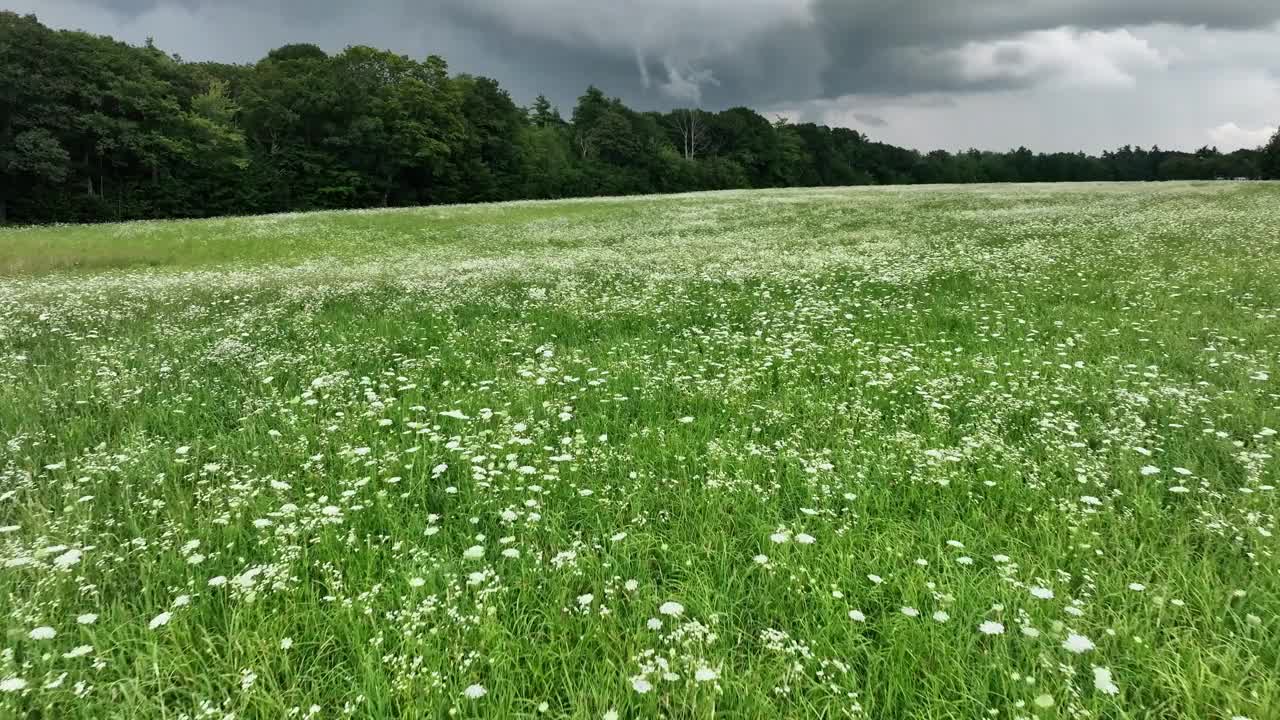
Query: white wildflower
<point x="1103" y="682"/>
<point x="990" y="627"/>
<point x="67" y="559"/>
<point x="1078" y="643"/>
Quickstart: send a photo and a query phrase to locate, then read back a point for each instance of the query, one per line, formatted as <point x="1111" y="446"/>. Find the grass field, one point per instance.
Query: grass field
<point x="1002" y="452"/>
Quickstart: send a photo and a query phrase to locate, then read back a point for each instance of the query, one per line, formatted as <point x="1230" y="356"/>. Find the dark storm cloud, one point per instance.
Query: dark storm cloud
<point x="714" y="53"/>
<point x="870" y="120"/>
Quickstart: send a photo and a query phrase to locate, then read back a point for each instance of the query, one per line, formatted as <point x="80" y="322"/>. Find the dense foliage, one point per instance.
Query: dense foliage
<point x="93" y="129"/>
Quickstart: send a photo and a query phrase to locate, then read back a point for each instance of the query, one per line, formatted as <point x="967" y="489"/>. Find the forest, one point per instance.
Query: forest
<point x="92" y="129"/>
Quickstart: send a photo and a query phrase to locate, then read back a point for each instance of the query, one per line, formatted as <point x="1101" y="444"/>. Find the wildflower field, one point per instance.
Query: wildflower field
<point x="1001" y="451"/>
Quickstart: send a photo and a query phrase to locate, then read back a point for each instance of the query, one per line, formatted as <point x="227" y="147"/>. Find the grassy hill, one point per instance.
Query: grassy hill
<point x="982" y="451"/>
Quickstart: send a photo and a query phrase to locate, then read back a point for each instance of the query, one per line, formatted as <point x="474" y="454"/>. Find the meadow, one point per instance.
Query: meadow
<point x="925" y="452"/>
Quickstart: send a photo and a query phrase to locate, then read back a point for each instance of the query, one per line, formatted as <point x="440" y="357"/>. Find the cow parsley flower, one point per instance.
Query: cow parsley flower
<point x="1078" y="643"/>
<point x="67" y="559"/>
<point x="1103" y="682"/>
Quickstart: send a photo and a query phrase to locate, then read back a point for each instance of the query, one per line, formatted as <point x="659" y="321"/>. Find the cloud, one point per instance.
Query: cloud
<point x="687" y="28"/>
<point x="759" y="51"/>
<point x="1065" y="55"/>
<point x="869" y="119"/>
<point x="1230" y="136"/>
<point x="905" y="46"/>
<point x="686" y="83"/>
<point x="687" y="39"/>
<point x="1170" y="109"/>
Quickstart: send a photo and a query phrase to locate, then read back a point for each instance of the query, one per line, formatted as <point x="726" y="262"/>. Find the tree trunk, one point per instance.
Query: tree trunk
<point x="4" y="210"/>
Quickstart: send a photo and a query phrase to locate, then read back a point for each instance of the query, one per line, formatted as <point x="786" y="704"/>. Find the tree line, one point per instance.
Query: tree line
<point x="92" y="129"/>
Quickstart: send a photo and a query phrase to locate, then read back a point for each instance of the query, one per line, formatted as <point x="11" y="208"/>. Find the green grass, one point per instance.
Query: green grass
<point x="954" y="389"/>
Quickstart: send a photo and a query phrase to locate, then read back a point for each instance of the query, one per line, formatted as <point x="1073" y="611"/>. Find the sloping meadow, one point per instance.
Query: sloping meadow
<point x="1003" y="451"/>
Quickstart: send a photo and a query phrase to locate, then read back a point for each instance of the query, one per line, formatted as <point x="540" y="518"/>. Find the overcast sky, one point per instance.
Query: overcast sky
<point x="994" y="74"/>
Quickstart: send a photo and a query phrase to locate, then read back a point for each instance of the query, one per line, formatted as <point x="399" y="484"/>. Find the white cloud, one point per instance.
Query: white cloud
<point x="1064" y="55"/>
<point x="1224" y="80"/>
<point x="1229" y="136"/>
